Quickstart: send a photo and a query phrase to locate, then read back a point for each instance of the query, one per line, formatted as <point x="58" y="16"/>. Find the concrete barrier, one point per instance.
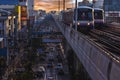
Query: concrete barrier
<point x="115" y="71"/>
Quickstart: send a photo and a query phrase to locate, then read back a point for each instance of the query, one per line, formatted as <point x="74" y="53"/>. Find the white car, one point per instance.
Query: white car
<point x="51" y="78"/>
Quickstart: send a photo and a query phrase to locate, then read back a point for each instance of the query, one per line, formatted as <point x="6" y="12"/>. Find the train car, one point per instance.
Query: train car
<point x="67" y="17"/>
<point x="85" y="18"/>
<point x="98" y="17"/>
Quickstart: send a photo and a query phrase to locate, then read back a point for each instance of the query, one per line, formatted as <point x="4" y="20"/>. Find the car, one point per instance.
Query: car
<point x="51" y="78"/>
<point x="59" y="66"/>
<point x="41" y="69"/>
<point x="50" y="65"/>
<point x="40" y="73"/>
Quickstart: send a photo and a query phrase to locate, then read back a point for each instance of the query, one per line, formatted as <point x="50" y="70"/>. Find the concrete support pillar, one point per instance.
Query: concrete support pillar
<point x="76" y="68"/>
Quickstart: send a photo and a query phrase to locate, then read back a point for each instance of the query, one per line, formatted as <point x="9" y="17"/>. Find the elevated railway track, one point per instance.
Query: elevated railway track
<point x="99" y="62"/>
<point x="107" y="42"/>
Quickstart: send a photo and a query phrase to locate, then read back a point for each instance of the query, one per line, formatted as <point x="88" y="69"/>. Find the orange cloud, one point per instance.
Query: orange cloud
<point x="49" y="5"/>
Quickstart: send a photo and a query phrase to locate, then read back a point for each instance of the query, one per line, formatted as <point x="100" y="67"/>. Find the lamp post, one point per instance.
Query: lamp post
<point x="76" y="15"/>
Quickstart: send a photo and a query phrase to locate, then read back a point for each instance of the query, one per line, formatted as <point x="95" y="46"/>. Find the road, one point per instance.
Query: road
<point x="51" y="72"/>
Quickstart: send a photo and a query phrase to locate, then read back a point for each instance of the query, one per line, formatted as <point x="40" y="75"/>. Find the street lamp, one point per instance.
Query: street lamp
<point x="76" y="15"/>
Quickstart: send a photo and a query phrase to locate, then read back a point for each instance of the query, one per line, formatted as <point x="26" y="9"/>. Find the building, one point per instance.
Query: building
<point x="99" y="4"/>
<point x="85" y="3"/>
<point x="31" y="13"/>
<point x="112" y="10"/>
<point x="24" y="12"/>
<point x="30" y="7"/>
<point x="7" y="27"/>
<point x="12" y="6"/>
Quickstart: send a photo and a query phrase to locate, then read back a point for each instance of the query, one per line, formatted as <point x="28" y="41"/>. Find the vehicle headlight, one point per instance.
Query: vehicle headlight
<point x="88" y="24"/>
<point x="78" y="23"/>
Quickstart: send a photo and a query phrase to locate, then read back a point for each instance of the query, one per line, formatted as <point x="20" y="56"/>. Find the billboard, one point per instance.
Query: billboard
<point x="17" y="9"/>
<point x="24" y="13"/>
<point x="3" y="52"/>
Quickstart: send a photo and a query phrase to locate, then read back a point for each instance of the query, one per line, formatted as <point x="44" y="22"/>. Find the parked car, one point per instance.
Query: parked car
<point x="50" y="65"/>
<point x="51" y="78"/>
<point x="59" y="66"/>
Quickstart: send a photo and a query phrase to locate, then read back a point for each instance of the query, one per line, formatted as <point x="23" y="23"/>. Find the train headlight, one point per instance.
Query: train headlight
<point x="88" y="24"/>
<point x="78" y="23"/>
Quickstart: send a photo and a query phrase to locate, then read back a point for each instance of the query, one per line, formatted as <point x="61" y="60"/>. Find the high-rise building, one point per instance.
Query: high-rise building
<point x="99" y="4"/>
<point x="112" y="10"/>
<point x="31" y="16"/>
<point x="24" y="12"/>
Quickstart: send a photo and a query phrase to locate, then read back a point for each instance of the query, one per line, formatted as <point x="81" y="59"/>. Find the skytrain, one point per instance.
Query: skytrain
<point x="98" y="17"/>
<point x="85" y="18"/>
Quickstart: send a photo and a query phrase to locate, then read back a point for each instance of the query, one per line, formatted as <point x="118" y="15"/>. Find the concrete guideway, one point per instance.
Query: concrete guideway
<point x="99" y="63"/>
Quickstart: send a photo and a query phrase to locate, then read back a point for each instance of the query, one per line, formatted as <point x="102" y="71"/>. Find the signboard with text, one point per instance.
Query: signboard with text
<point x="23" y="12"/>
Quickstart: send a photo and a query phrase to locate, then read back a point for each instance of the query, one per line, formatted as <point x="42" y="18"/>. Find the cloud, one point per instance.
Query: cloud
<point x="49" y="5"/>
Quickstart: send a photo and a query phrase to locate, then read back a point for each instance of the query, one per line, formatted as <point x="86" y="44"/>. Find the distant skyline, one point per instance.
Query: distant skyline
<point x="49" y="5"/>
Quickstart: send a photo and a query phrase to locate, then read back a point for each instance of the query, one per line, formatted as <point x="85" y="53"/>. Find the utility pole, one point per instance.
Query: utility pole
<point x="76" y="15"/>
<point x="63" y="4"/>
<point x="58" y="5"/>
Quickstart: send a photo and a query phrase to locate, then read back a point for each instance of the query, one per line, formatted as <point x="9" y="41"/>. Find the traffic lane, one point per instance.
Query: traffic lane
<point x="63" y="77"/>
<point x="51" y="74"/>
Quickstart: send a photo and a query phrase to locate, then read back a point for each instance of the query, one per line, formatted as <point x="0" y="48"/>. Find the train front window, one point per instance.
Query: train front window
<point x="98" y="15"/>
<point x="85" y="14"/>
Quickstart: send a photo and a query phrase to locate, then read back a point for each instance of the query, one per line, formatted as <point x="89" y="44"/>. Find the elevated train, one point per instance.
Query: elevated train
<point x="87" y="18"/>
<point x="98" y="17"/>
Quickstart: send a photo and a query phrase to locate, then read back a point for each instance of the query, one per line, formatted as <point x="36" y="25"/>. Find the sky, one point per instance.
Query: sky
<point x="49" y="5"/>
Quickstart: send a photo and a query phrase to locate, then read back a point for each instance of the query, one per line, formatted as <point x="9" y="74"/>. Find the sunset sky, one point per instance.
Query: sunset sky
<point x="52" y="4"/>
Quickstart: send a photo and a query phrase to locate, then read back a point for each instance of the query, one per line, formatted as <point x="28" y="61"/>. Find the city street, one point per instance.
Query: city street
<point x="53" y="56"/>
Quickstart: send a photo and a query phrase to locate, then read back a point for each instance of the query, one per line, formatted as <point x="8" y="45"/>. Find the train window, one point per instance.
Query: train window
<point x="98" y="15"/>
<point x="85" y="14"/>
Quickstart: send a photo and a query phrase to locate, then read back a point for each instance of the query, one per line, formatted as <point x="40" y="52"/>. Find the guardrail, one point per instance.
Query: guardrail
<point x="99" y="63"/>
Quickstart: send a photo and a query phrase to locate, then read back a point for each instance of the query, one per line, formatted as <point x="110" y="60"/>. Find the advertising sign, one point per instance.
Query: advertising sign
<point x="23" y="12"/>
